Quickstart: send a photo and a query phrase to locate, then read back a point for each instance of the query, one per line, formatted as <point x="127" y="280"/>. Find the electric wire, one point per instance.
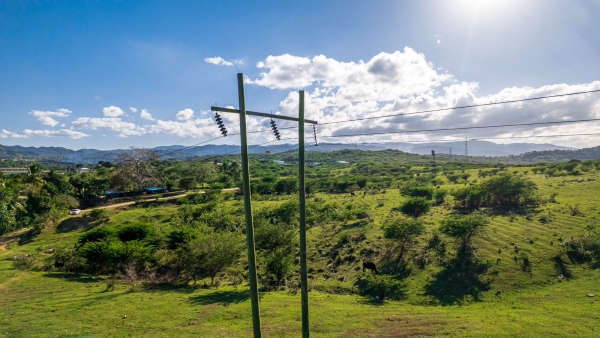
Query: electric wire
<point x="464" y="128"/>
<point x="493" y="138"/>
<point x="463" y="107"/>
<point x="188" y="147"/>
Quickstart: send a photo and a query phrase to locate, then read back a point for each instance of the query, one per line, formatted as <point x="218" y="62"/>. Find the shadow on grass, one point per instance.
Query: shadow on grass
<point x="72" y="277"/>
<point x="74" y="223"/>
<point x="460" y="279"/>
<point x="562" y="269"/>
<point x="221" y="297"/>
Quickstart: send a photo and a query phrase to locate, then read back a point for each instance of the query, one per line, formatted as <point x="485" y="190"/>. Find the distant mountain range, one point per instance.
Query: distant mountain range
<point x="561" y="155"/>
<point x="93" y="156"/>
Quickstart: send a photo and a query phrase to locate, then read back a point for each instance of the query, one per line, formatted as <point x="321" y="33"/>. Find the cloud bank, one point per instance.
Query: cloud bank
<point x="396" y="83"/>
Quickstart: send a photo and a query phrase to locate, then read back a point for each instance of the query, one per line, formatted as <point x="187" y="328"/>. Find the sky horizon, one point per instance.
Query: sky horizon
<point x="111" y="74"/>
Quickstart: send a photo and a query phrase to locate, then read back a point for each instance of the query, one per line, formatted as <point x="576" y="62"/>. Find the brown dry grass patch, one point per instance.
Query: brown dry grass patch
<point x="401" y="327"/>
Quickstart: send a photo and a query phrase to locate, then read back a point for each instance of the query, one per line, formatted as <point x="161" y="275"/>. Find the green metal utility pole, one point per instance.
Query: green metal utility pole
<point x="248" y="205"/>
<point x="248" y="211"/>
<point x="302" y="188"/>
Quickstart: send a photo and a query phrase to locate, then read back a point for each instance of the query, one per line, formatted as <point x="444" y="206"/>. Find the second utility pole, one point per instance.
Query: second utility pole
<point x="302" y="190"/>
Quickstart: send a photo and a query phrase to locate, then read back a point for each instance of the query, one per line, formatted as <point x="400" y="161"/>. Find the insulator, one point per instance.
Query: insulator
<point x="220" y="124"/>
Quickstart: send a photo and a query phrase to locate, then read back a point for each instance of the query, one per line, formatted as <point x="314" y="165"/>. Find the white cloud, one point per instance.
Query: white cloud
<point x="185" y="114"/>
<point x="112" y="111"/>
<point x="404" y="82"/>
<point x="98" y="97"/>
<point x="46" y="117"/>
<point x="219" y="61"/>
<point x="146" y="115"/>
<point x="6" y="134"/>
<point x="133" y="109"/>
<point x="76" y="135"/>
<point x="207" y="127"/>
<point x="47" y="121"/>
<point x="110" y="123"/>
<point x="385" y="77"/>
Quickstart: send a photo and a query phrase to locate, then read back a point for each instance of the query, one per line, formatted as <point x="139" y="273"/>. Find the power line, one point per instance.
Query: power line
<point x="188" y="147"/>
<point x="464" y="128"/>
<point x="496" y="138"/>
<point x="463" y="107"/>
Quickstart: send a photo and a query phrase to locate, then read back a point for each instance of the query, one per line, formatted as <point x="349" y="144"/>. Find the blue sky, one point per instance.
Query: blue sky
<point x="71" y="70"/>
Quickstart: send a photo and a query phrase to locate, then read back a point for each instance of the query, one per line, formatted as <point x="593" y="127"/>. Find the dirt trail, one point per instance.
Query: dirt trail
<point x="152" y="200"/>
<point x="10" y="237"/>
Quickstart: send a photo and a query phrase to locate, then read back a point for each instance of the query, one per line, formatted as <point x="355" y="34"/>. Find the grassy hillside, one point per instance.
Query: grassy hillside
<point x="499" y="295"/>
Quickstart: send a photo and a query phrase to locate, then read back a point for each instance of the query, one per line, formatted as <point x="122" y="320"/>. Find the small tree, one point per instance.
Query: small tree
<point x="134" y="168"/>
<point x="402" y="231"/>
<point x="361" y="182"/>
<point x="415" y="207"/>
<point x="209" y="255"/>
<point x="278" y="243"/>
<point x="463" y="229"/>
<point x="187" y="183"/>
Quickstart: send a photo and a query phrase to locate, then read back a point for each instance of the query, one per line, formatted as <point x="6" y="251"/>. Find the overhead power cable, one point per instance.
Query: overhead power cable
<point x="188" y="147"/>
<point x="463" y="107"/>
<point x="493" y="138"/>
<point x="464" y="128"/>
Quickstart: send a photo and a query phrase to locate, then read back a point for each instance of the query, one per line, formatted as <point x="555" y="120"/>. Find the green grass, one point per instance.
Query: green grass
<point x="512" y="301"/>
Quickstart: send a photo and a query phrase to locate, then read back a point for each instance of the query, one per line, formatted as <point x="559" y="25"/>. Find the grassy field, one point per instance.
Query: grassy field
<point x="511" y="299"/>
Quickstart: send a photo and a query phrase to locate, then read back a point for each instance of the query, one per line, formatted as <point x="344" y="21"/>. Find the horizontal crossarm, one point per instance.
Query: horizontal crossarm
<point x="253" y="113"/>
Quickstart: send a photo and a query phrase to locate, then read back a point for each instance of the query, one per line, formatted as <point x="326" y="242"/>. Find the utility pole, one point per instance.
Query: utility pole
<point x="248" y="204"/>
<point x="303" y="265"/>
<point x="248" y="211"/>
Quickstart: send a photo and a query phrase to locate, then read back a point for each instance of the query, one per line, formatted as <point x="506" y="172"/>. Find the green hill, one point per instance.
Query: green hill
<point x="510" y="288"/>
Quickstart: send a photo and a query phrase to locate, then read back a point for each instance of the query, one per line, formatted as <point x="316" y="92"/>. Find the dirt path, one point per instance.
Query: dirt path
<point x="153" y="200"/>
<point x="10" y="237"/>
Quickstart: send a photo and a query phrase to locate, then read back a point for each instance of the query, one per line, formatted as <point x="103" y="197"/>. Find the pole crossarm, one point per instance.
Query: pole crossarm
<point x="253" y="113"/>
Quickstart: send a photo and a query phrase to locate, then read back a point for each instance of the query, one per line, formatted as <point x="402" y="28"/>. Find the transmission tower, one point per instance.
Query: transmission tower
<point x="467" y="148"/>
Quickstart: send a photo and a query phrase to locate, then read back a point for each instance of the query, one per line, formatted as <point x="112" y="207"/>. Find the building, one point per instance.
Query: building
<point x="341" y="162"/>
<point x="154" y="190"/>
<point x="14" y="171"/>
<point x="278" y="162"/>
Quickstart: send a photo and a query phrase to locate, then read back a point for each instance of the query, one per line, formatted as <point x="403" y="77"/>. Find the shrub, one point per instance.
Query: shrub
<point x="134" y="232"/>
<point x="176" y="238"/>
<point x="439" y="196"/>
<point x="26" y="261"/>
<point x="584" y="247"/>
<point x="380" y="287"/>
<point x="103" y="256"/>
<point x="415" y="207"/>
<point x="278" y="243"/>
<point x="468" y="197"/>
<point x="209" y="255"/>
<point x="426" y="192"/>
<point x="96" y="235"/>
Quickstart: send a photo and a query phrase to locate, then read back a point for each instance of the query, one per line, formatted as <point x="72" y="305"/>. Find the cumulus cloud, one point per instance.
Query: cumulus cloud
<point x="133" y="109"/>
<point x="146" y="115"/>
<point x="185" y="114"/>
<point x="76" y="135"/>
<point x="112" y="111"/>
<point x="48" y="117"/>
<point x="217" y="60"/>
<point x="110" y="123"/>
<point x="202" y="127"/>
<point x="6" y="134"/>
<point x="403" y="82"/>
